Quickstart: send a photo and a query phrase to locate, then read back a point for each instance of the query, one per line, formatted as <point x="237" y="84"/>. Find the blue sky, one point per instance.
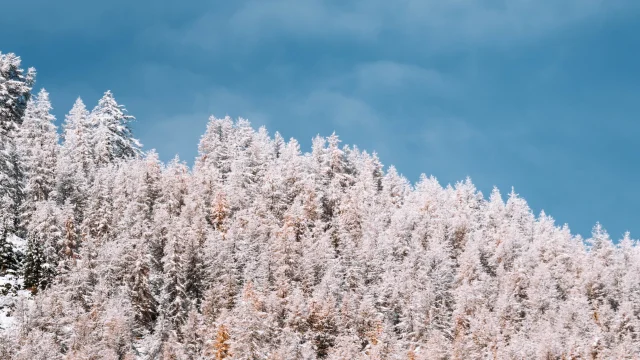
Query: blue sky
<point x="540" y="95"/>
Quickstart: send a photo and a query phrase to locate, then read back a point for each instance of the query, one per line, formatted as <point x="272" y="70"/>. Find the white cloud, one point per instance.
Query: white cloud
<point x="229" y="25"/>
<point x="301" y="19"/>
<point x="435" y="24"/>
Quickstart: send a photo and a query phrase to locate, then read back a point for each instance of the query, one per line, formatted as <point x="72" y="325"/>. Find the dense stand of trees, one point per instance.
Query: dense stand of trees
<point x="261" y="251"/>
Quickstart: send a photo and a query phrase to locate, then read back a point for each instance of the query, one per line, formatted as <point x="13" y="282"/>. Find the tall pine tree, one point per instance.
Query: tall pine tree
<point x="111" y="138"/>
<point x="15" y="92"/>
<point x="75" y="159"/>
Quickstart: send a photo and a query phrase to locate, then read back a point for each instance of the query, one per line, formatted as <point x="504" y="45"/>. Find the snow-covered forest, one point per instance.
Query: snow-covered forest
<point x="263" y="251"/>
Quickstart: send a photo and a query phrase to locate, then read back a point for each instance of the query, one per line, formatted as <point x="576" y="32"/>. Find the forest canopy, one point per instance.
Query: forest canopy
<point x="262" y="251"/>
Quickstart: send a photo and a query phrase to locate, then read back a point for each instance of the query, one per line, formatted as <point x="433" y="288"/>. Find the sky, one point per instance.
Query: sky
<point x="542" y="96"/>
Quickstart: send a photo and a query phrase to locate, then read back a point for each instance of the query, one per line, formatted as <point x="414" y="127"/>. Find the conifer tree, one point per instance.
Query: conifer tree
<point x="15" y="92"/>
<point x="250" y="332"/>
<point x="173" y="301"/>
<point x="44" y="245"/>
<point x="143" y="303"/>
<point x="37" y="143"/>
<point x="111" y="139"/>
<point x="35" y="270"/>
<point x="10" y="257"/>
<point x="75" y="161"/>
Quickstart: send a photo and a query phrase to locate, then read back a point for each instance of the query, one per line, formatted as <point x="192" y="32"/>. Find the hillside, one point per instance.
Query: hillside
<point x="263" y="251"/>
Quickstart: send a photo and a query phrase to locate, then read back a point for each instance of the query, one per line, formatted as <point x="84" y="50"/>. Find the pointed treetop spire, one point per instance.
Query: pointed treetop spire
<point x="112" y="137"/>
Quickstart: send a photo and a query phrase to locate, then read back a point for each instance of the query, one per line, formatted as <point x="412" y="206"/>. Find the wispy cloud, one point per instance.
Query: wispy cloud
<point x="303" y="19"/>
<point x="218" y="24"/>
<point x="432" y="23"/>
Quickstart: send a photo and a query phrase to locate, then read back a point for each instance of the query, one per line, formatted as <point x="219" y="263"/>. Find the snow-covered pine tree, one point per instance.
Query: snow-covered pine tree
<point x="34" y="268"/>
<point x="250" y="333"/>
<point x="37" y="145"/>
<point x="74" y="160"/>
<point x="37" y="142"/>
<point x="173" y="305"/>
<point x="15" y="92"/>
<point x="111" y="137"/>
<point x="214" y="149"/>
<point x="144" y="305"/>
<point x="45" y="245"/>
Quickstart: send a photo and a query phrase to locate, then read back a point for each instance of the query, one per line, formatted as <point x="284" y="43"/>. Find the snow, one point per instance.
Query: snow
<point x="18" y="243"/>
<point x="262" y="251"/>
<point x="11" y="283"/>
<point x="5" y="320"/>
<point x="7" y="301"/>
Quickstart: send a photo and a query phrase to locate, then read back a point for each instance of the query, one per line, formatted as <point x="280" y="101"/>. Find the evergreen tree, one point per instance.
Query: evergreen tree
<point x="44" y="245"/>
<point x="250" y="331"/>
<point x="111" y="137"/>
<point x="36" y="270"/>
<point x="10" y="257"/>
<point x="15" y="92"/>
<point x="142" y="300"/>
<point x="173" y="301"/>
<point x="38" y="148"/>
<point x="74" y="161"/>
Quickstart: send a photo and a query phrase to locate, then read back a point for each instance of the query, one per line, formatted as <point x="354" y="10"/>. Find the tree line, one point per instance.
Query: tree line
<point x="261" y="251"/>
